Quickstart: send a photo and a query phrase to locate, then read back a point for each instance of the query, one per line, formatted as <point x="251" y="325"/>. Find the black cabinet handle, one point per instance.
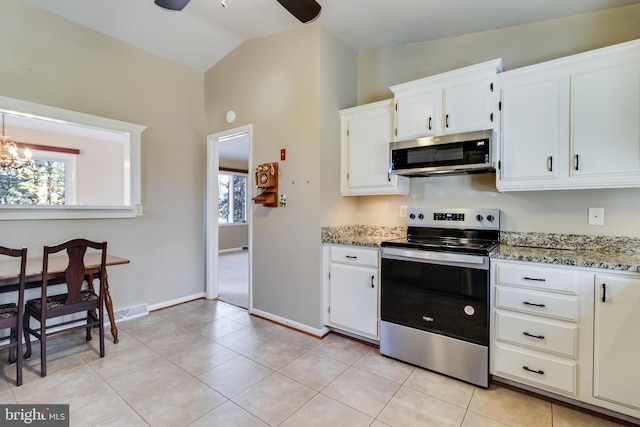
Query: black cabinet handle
<point x="372" y="279"/>
<point x="351" y="257"/>
<point x="535" y="279"/>
<point x="577" y="162"/>
<point x="491" y="117"/>
<point x="446" y="120"/>
<point x="604" y="292"/>
<point x="540" y="372"/>
<point x="550" y="164"/>
<point x="429" y="123"/>
<point x="533" y="304"/>
<point x="540" y="337"/>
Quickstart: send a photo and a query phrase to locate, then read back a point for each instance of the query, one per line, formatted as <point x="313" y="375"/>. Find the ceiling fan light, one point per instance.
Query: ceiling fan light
<point x="172" y="4"/>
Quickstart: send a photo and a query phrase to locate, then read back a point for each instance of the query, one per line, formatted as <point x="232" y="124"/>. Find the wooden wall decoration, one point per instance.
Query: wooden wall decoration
<point x="267" y="180"/>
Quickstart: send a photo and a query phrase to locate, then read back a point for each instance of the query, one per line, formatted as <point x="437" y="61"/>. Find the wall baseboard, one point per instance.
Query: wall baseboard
<point x="319" y="333"/>
<point x="242" y="248"/>
<point x="176" y="301"/>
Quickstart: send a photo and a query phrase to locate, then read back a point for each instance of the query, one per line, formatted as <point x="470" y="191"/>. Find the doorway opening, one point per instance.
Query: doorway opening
<point x="229" y="217"/>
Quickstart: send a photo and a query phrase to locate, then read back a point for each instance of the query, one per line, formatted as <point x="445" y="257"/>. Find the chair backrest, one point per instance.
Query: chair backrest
<point x="22" y="254"/>
<point x="75" y="271"/>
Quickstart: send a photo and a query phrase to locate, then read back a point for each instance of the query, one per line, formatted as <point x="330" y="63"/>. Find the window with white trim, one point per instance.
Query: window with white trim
<point x="232" y="198"/>
<point x="50" y="181"/>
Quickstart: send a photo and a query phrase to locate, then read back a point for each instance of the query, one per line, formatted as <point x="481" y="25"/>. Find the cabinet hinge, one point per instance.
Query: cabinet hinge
<point x="396" y="106"/>
<point x="330" y="272"/>
<point x="329" y="310"/>
<point x="347" y="178"/>
<point x="491" y="86"/>
<point x="500" y="106"/>
<point x="395" y="131"/>
<point x="347" y="132"/>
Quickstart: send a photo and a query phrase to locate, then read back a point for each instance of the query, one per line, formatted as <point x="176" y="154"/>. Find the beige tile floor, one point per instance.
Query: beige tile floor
<point x="207" y="363"/>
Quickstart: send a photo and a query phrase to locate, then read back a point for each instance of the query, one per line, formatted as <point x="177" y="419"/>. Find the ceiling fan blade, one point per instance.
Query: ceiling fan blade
<point x="304" y="10"/>
<point x="172" y="4"/>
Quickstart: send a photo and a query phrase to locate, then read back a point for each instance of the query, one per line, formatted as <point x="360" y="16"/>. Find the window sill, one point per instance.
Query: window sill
<point x="65" y="212"/>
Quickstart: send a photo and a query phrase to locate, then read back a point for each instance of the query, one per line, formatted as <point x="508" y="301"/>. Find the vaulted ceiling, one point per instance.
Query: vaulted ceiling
<point x="205" y="31"/>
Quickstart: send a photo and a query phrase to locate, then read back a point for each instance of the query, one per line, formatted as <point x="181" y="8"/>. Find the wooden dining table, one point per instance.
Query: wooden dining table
<point x="10" y="274"/>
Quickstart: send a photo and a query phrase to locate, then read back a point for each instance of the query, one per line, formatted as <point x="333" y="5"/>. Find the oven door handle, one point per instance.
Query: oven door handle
<point x="433" y="256"/>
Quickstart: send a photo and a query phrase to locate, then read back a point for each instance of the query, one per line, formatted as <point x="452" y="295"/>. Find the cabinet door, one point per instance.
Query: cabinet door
<point x="466" y="107"/>
<point x="366" y="134"/>
<point x="616" y="343"/>
<point x="353" y="299"/>
<point x="606" y="122"/>
<point x="416" y="115"/>
<point x="534" y="115"/>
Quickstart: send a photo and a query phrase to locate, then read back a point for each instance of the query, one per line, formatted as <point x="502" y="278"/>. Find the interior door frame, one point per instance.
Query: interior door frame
<point x="211" y="216"/>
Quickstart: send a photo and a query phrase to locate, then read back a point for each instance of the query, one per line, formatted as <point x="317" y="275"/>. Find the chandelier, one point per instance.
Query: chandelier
<point x="9" y="158"/>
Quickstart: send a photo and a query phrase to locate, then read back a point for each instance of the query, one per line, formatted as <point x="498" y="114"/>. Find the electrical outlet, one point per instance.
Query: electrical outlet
<point x="283" y="200"/>
<point x="403" y="211"/>
<point x="596" y="216"/>
<point x="138" y="210"/>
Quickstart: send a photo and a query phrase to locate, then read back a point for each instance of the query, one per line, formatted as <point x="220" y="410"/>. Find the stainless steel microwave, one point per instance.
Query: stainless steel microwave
<point x="462" y="153"/>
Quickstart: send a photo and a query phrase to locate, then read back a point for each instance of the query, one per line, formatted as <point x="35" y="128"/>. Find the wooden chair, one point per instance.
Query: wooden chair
<point x="11" y="314"/>
<point x="76" y="299"/>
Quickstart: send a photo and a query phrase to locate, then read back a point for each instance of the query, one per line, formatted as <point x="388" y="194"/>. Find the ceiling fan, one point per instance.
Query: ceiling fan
<point x="304" y="10"/>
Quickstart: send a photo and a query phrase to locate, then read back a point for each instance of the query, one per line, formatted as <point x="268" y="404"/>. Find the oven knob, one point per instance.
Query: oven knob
<point x="412" y="216"/>
<point x="479" y="217"/>
<point x="490" y="218"/>
<point x="420" y="216"/>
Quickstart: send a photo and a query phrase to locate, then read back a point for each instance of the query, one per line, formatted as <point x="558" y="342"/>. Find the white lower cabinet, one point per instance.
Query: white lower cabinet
<point x="352" y="289"/>
<point x="617" y="340"/>
<point x="538" y="318"/>
<point x="569" y="331"/>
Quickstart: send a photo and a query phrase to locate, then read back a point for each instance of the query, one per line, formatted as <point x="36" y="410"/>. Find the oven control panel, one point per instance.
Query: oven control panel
<point x="462" y="218"/>
<point x="439" y="216"/>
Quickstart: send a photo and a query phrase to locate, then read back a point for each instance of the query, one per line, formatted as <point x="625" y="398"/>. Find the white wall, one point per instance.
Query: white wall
<point x="542" y="211"/>
<point x="49" y="60"/>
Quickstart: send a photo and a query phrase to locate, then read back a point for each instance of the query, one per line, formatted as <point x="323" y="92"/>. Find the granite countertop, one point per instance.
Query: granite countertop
<point x="570" y="257"/>
<point x="361" y="235"/>
<point x="605" y="252"/>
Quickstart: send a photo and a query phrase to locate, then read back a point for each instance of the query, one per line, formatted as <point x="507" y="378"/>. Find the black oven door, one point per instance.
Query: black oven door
<point x="447" y="295"/>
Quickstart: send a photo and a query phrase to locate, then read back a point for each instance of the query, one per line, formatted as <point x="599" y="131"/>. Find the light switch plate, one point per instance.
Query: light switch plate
<point x="403" y="211"/>
<point x="596" y="216"/>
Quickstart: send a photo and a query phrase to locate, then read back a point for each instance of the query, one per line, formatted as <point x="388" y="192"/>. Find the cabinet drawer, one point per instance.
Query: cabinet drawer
<point x="538" y="277"/>
<point x="540" y="303"/>
<point x="546" y="371"/>
<point x="354" y="255"/>
<point x="542" y="334"/>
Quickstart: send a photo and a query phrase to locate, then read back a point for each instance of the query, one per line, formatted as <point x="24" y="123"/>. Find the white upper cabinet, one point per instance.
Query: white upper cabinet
<point x="366" y="134"/>
<point x="416" y="114"/>
<point x="462" y="100"/>
<point x="572" y="123"/>
<point x="605" y="120"/>
<point x="534" y="122"/>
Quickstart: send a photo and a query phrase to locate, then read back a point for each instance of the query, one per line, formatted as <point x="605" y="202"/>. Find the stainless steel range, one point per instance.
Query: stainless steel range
<point x="435" y="291"/>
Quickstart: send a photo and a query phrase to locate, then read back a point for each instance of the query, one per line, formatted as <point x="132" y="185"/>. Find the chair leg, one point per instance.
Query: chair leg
<point x="19" y="358"/>
<point x="13" y="339"/>
<point x="89" y="320"/>
<point x="101" y="330"/>
<point x="43" y="348"/>
<point x="27" y="336"/>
